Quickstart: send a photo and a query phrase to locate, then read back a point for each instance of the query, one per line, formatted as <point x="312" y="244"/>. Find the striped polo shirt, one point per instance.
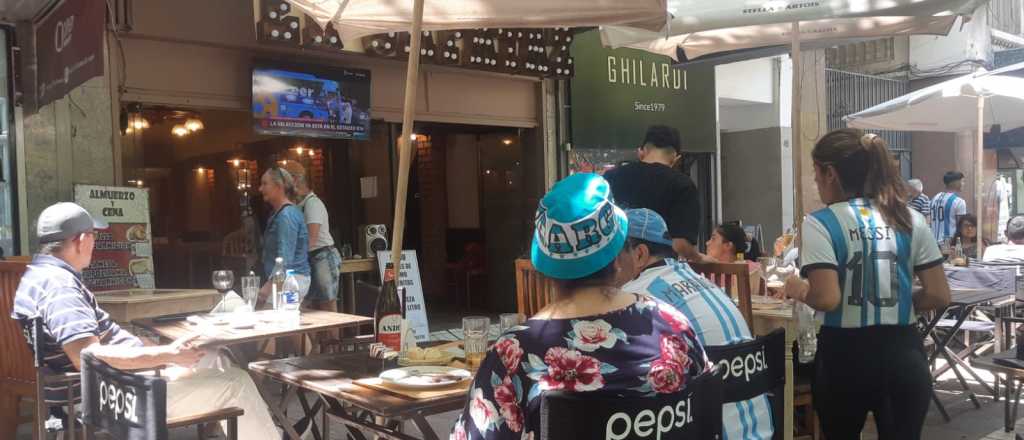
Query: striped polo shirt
<point x="716" y="321"/>
<point x="921" y="204"/>
<point x="53" y="290"/>
<point x="946" y="208"/>
<point x="875" y="262"/>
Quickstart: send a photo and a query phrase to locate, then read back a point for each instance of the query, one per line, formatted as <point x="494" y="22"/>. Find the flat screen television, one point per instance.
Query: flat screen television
<point x="311" y="101"/>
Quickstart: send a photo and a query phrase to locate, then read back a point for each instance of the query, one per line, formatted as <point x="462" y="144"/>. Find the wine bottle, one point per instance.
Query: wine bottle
<point x="387" y="315"/>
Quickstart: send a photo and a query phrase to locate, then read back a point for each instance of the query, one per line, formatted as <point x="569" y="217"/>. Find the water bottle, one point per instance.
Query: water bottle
<point x="277" y="284"/>
<point x="290" y="299"/>
<point x="807" y="329"/>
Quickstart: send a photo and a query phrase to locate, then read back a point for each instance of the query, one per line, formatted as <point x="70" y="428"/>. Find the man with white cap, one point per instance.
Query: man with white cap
<point x="918" y="201"/>
<point x="52" y="289"/>
<point x="716" y="320"/>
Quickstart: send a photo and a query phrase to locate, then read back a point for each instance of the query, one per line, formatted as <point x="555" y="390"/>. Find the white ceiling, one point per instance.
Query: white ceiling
<point x="21" y="10"/>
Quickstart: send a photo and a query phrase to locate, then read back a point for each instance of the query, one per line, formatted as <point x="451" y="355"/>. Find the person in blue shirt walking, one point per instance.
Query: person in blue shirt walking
<point x="858" y="259"/>
<point x="714" y="317"/>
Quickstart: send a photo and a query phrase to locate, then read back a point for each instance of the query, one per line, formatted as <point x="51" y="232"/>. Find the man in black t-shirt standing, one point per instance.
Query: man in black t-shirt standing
<point x="654" y="184"/>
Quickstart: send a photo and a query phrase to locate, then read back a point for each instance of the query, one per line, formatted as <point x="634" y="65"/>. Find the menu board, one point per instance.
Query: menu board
<point x="123" y="256"/>
<point x="408" y="277"/>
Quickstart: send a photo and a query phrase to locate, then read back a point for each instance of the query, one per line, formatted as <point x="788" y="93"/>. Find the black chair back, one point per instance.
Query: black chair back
<point x="693" y="414"/>
<point x="124" y="405"/>
<point x="750" y="369"/>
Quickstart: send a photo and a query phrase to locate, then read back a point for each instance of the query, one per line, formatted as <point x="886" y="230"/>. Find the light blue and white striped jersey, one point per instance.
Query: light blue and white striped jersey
<point x="716" y="321"/>
<point x="946" y="208"/>
<point x="875" y="262"/>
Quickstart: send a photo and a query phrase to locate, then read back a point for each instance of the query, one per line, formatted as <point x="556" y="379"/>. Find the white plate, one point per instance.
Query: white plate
<point x="425" y="377"/>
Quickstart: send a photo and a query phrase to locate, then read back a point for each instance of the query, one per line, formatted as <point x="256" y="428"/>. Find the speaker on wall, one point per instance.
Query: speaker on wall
<point x="372" y="238"/>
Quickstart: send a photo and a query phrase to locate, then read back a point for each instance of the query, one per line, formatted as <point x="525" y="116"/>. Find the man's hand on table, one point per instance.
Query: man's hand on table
<point x="184" y="352"/>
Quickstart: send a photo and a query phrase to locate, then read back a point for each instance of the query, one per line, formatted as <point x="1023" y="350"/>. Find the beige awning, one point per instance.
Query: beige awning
<point x="720" y="40"/>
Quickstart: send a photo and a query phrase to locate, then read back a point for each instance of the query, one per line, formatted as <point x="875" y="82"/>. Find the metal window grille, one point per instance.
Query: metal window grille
<point x="1005" y="15"/>
<point x="850" y="92"/>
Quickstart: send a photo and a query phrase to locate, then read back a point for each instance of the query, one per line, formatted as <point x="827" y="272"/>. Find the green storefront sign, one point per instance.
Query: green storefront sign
<point x="617" y="94"/>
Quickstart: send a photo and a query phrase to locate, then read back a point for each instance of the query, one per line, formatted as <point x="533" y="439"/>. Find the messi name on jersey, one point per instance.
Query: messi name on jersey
<point x="871" y="233"/>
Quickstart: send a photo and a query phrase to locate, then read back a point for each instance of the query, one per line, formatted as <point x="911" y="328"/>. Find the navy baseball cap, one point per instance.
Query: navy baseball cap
<point x="647" y="225"/>
<point x="579" y="231"/>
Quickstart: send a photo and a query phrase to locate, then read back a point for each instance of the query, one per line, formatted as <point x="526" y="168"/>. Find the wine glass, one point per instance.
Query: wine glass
<point x="768" y="267"/>
<point x="223" y="280"/>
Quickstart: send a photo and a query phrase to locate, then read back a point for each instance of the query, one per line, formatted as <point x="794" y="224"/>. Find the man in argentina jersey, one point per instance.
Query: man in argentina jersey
<point x="948" y="206"/>
<point x="714" y="317"/>
<point x="875" y="262"/>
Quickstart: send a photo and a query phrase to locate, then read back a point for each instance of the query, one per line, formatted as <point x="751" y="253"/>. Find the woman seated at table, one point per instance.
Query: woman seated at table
<point x="728" y="244"/>
<point x="593" y="336"/>
<point x="967" y="235"/>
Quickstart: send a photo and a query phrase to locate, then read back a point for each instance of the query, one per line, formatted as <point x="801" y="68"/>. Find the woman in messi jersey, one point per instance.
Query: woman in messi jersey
<point x="859" y="256"/>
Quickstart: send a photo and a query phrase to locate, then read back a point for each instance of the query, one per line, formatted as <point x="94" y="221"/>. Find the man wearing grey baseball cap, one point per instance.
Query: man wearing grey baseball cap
<point x="52" y="290"/>
<point x="1012" y="252"/>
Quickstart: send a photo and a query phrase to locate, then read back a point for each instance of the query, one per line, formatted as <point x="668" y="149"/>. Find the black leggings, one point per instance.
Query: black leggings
<point x="879" y="369"/>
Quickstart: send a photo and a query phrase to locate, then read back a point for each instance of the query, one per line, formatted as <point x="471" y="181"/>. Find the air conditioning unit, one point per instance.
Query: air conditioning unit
<point x="372" y="238"/>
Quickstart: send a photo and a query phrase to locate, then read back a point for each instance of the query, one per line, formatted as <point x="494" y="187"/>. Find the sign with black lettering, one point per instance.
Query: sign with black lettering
<point x="123" y="256"/>
<point x="408" y="278"/>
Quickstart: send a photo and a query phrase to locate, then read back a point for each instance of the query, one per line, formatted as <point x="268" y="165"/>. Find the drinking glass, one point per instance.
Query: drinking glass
<point x="768" y="266"/>
<point x="346" y="251"/>
<point x="223" y="280"/>
<point x="474" y="330"/>
<point x="251" y="290"/>
<point x="507" y="321"/>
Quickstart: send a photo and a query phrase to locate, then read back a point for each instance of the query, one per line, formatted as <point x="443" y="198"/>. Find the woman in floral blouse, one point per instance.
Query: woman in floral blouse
<point x="593" y="337"/>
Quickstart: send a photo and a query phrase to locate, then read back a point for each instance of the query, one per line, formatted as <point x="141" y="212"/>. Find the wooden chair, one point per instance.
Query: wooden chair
<point x="727" y="275"/>
<point x="533" y="289"/>
<point x="63" y="387"/>
<point x="146" y="418"/>
<point x="17" y="371"/>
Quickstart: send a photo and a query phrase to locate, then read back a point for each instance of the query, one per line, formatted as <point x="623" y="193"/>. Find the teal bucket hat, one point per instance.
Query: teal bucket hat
<point x="578" y="230"/>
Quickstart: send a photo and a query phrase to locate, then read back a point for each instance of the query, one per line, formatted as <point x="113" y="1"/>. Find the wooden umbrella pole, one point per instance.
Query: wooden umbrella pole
<point x="404" y="142"/>
<point x="979" y="181"/>
<point x="796" y="134"/>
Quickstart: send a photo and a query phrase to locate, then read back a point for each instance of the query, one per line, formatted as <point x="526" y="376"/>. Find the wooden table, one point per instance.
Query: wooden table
<point x="125" y="306"/>
<point x="765" y="321"/>
<point x="349" y="268"/>
<point x="311" y="321"/>
<point x="361" y="408"/>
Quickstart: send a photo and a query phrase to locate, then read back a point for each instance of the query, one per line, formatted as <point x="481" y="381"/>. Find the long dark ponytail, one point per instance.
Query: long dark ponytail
<point x="866" y="169"/>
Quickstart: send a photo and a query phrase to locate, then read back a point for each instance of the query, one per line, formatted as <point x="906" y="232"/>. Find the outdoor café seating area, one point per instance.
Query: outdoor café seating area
<point x="343" y="388"/>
